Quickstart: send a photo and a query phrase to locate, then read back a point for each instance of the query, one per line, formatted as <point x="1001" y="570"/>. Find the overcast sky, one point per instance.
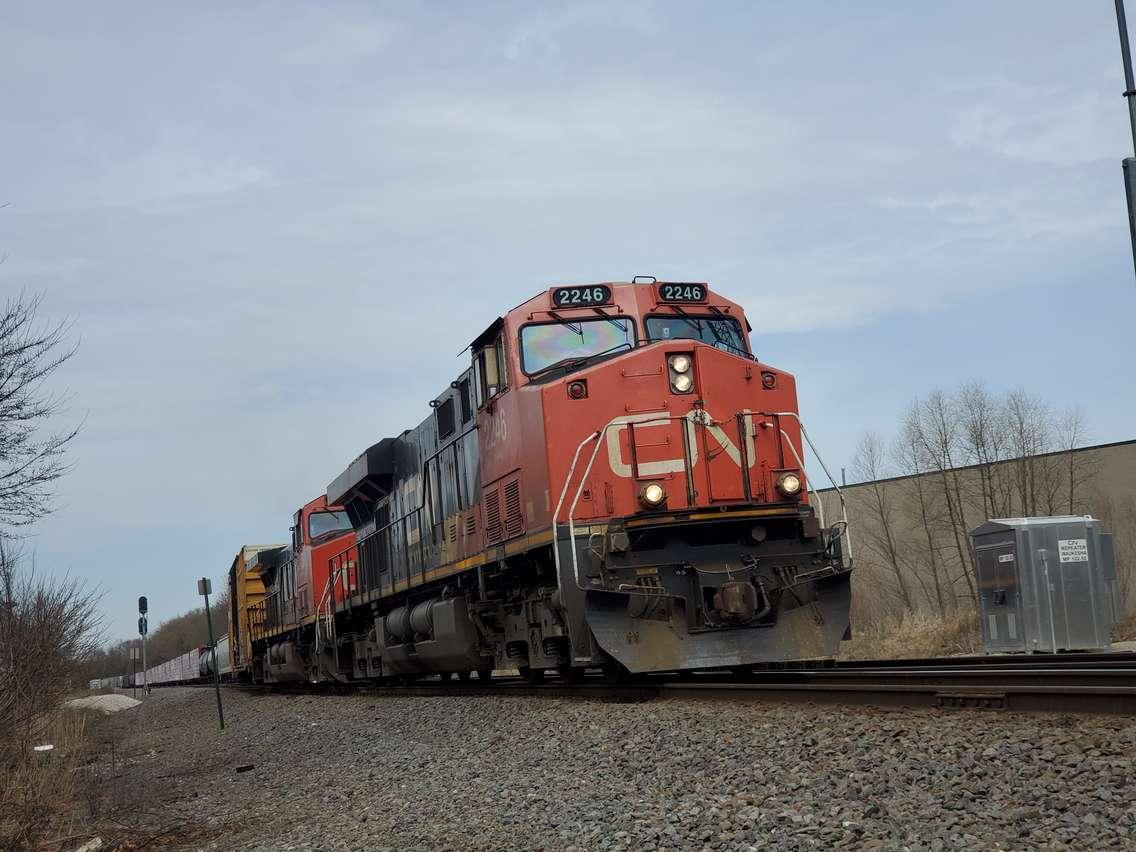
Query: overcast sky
<point x="277" y="225"/>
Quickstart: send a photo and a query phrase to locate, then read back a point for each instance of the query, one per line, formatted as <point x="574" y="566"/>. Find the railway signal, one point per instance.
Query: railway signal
<point x="204" y="588"/>
<point x="143" y="629"/>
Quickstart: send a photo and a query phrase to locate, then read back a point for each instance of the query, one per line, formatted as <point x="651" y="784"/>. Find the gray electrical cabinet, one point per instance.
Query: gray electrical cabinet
<point x="1045" y="584"/>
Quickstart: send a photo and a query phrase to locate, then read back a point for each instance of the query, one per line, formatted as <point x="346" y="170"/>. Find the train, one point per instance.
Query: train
<point x="196" y="665"/>
<point x="614" y="482"/>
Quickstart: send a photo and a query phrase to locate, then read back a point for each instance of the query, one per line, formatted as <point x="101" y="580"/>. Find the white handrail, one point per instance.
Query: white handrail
<point x="820" y="503"/>
<point x="556" y="514"/>
<point x="332" y="579"/>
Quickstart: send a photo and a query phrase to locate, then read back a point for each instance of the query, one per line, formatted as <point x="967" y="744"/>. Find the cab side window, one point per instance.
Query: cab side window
<point x="491" y="372"/>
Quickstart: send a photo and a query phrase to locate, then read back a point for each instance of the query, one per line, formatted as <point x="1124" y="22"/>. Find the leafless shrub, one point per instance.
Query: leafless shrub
<point x="48" y="626"/>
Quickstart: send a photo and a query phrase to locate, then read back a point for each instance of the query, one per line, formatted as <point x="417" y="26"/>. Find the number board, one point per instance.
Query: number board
<point x="581" y="297"/>
<point x="678" y="291"/>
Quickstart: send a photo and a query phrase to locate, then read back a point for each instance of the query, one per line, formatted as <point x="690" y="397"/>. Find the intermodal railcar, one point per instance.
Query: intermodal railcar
<point x="615" y="482"/>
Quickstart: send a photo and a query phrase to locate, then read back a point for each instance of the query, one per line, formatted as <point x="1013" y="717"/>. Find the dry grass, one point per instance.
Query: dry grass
<point x="40" y="792"/>
<point x="916" y="636"/>
<point x="1125" y="630"/>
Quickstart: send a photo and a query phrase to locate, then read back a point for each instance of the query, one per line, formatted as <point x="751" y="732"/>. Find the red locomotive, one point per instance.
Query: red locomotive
<point x="616" y="482"/>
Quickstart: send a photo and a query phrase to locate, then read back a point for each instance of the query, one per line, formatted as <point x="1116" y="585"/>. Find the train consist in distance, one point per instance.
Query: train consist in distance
<point x="616" y="482"/>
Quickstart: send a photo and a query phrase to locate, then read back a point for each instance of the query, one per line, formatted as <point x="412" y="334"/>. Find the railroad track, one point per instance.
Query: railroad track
<point x="1067" y="683"/>
<point x="1061" y="683"/>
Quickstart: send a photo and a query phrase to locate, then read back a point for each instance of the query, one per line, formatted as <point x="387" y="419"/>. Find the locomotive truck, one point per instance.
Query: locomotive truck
<point x="616" y="482"/>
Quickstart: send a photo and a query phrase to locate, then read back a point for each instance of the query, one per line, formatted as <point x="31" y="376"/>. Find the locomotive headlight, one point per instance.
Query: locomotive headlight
<point x="789" y="484"/>
<point x="652" y="495"/>
<point x="682" y="383"/>
<point x="680" y="363"/>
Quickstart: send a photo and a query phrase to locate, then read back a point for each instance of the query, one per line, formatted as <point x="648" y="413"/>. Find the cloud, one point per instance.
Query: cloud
<point x="1038" y="126"/>
<point x="278" y="227"/>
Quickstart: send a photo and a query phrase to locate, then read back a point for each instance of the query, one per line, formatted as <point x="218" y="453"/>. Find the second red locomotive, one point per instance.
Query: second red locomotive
<point x="616" y="482"/>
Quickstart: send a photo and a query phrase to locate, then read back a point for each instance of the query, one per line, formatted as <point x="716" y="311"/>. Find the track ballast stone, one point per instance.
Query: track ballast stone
<point x="364" y="772"/>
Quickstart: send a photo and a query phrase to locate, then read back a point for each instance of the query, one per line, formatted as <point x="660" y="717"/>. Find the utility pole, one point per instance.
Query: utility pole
<point x="143" y="628"/>
<point x="1129" y="164"/>
<point x="204" y="587"/>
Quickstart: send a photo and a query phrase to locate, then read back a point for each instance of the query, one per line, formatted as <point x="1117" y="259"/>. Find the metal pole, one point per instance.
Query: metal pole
<point x="145" y="679"/>
<point x="1129" y="164"/>
<point x="1126" y="58"/>
<point x="216" y="666"/>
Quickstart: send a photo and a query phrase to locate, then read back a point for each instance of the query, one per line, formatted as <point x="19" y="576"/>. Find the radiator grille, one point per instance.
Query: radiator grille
<point x="514" y="520"/>
<point x="493" y="529"/>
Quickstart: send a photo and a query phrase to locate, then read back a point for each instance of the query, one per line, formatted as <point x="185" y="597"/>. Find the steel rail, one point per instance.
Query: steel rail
<point x="1061" y="683"/>
<point x="1038" y="696"/>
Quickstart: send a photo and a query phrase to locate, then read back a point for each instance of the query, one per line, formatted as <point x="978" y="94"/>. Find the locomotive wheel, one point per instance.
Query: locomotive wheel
<point x="571" y="674"/>
<point x="614" y="672"/>
<point x="531" y="676"/>
<point x="484" y="674"/>
<point x="463" y="676"/>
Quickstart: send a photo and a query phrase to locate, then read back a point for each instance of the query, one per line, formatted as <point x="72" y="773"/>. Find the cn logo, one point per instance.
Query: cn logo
<point x="690" y="422"/>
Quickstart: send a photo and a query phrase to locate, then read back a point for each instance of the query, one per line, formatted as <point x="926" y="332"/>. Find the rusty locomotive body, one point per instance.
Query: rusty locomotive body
<point x="616" y="482"/>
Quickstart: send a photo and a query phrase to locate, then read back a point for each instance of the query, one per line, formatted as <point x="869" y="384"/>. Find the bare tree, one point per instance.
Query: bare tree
<point x="939" y="435"/>
<point x="927" y="516"/>
<point x="31" y="457"/>
<point x="1080" y="469"/>
<point x="868" y="466"/>
<point x="1029" y="422"/>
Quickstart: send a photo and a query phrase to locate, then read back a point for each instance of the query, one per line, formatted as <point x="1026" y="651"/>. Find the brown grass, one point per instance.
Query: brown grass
<point x="916" y="636"/>
<point x="40" y="793"/>
<point x="1125" y="630"/>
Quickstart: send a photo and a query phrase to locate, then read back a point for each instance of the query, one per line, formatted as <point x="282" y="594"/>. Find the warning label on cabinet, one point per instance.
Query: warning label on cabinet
<point x="1073" y="549"/>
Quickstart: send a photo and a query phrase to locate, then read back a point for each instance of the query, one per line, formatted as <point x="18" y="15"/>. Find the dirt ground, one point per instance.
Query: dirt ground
<point x="478" y="772"/>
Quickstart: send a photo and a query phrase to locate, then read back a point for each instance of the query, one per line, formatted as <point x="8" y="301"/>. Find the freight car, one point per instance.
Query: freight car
<point x="615" y="482"/>
<point x="215" y="660"/>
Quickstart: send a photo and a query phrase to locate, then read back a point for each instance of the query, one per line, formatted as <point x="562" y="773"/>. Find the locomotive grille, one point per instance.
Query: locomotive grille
<point x="514" y="521"/>
<point x="493" y="530"/>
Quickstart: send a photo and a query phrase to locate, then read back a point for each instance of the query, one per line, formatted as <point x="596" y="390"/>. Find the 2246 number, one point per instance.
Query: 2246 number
<point x="682" y="293"/>
<point x="567" y="296"/>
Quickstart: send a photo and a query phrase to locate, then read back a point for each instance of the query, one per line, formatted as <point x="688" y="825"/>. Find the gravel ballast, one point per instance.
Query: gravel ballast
<point x="368" y="772"/>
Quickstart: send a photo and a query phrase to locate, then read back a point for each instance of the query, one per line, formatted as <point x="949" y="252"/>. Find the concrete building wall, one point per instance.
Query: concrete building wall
<point x="909" y="534"/>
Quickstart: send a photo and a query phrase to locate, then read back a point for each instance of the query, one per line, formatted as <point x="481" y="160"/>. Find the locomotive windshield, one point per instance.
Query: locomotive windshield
<point x="326" y="524"/>
<point x="722" y="332"/>
<point x="547" y="345"/>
